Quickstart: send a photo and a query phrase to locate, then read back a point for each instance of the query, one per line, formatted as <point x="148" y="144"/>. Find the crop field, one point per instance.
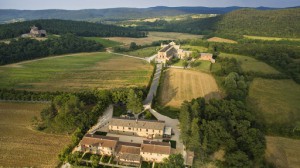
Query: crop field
<point x="278" y="100"/>
<point x="105" y="42"/>
<point x="20" y="145"/>
<point x="144" y="52"/>
<point x="283" y="152"/>
<point x="155" y="36"/>
<point x="220" y="40"/>
<point x="76" y="72"/>
<point x="251" y="64"/>
<point x="179" y="85"/>
<point x="270" y="38"/>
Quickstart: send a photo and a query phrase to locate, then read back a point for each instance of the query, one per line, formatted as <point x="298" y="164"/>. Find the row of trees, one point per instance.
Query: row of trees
<point x="80" y="28"/>
<point x="222" y="125"/>
<point x="27" y="49"/>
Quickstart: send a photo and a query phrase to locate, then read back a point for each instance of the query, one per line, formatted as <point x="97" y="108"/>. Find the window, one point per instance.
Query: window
<point x="129" y="128"/>
<point x="147" y="130"/>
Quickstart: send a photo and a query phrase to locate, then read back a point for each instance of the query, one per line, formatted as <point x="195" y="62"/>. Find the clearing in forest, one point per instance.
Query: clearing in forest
<point x="155" y="36"/>
<point x="179" y="85"/>
<point x="220" y="40"/>
<point x="251" y="64"/>
<point x="76" y="72"/>
<point x="22" y="146"/>
<point x="283" y="152"/>
<point x="277" y="100"/>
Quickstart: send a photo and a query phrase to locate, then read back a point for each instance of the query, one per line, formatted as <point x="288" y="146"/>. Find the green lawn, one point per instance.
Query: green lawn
<point x="194" y="48"/>
<point x="76" y="72"/>
<point x="144" y="52"/>
<point x="179" y="63"/>
<point x="251" y="64"/>
<point x="201" y="65"/>
<point x="105" y="42"/>
<point x="278" y="100"/>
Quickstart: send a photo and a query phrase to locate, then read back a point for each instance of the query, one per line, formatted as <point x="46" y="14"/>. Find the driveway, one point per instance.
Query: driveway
<point x="103" y="120"/>
<point x="152" y="91"/>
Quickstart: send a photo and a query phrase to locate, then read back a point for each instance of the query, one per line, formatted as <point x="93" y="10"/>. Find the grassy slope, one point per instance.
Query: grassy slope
<point x="105" y="42"/>
<point x="74" y="72"/>
<point x="20" y="145"/>
<point x="144" y="52"/>
<point x="154" y="36"/>
<point x="278" y="100"/>
<point x="283" y="152"/>
<point x="251" y="64"/>
<point x="270" y="38"/>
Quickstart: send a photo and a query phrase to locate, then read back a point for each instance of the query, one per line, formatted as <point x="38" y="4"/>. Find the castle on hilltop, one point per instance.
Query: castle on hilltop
<point x="35" y="32"/>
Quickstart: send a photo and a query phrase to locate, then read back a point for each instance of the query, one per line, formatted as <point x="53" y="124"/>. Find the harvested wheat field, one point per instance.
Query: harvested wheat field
<point x="21" y="146"/>
<point x="283" y="152"/>
<point x="180" y="84"/>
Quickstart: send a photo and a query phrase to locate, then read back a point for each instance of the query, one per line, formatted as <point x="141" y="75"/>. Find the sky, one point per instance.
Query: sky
<point x="100" y="4"/>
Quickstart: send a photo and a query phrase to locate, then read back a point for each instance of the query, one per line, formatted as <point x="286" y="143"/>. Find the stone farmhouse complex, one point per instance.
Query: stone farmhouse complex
<point x="171" y="51"/>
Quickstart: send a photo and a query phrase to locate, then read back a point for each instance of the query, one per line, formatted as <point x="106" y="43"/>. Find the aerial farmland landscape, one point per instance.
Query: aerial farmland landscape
<point x="150" y="84"/>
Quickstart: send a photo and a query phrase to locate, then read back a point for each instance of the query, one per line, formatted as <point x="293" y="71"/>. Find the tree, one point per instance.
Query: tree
<point x="194" y="142"/>
<point x="173" y="161"/>
<point x="95" y="161"/>
<point x="133" y="46"/>
<point x="134" y="102"/>
<point x="237" y="159"/>
<point x="184" y="118"/>
<point x="185" y="63"/>
<point x="195" y="109"/>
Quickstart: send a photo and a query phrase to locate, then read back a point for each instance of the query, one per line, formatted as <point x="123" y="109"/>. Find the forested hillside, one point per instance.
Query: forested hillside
<point x="79" y="28"/>
<point x="277" y="23"/>
<point x="7" y="15"/>
<point x="27" y="49"/>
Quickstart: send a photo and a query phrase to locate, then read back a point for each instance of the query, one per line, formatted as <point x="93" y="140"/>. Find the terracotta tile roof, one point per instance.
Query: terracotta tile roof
<point x="156" y="147"/>
<point x="145" y="124"/>
<point x="99" y="140"/>
<point x="129" y="151"/>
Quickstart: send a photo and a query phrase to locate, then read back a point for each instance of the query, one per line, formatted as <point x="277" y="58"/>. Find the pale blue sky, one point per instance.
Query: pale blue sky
<point x="99" y="4"/>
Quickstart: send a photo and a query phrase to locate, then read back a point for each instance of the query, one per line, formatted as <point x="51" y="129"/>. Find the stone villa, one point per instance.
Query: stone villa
<point x="170" y="51"/>
<point x="35" y="32"/>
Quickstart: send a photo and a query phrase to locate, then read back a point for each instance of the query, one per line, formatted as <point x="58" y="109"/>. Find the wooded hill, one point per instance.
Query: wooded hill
<point x="7" y="15"/>
<point x="61" y="27"/>
<point x="277" y="23"/>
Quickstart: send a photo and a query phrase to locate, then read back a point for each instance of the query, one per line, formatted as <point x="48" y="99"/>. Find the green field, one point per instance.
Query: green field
<point x="105" y="42"/>
<point x="251" y="64"/>
<point x="278" y="100"/>
<point x="194" y="48"/>
<point x="144" y="52"/>
<point x="76" y="72"/>
<point x="201" y="65"/>
<point x="270" y="38"/>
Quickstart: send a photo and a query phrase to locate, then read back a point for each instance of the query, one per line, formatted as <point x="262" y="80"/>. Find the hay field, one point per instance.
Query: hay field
<point x="283" y="152"/>
<point x="180" y="84"/>
<point x="220" y="40"/>
<point x="278" y="100"/>
<point x="251" y="64"/>
<point x="76" y="72"/>
<point x="155" y="36"/>
<point x="20" y="146"/>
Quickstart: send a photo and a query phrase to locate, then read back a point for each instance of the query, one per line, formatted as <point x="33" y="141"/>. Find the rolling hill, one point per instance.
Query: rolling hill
<point x="11" y="15"/>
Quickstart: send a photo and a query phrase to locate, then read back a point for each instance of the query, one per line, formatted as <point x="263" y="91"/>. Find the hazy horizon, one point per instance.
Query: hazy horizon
<point x="104" y="4"/>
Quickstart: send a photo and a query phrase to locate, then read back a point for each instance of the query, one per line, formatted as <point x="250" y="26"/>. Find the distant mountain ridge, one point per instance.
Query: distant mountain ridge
<point x="7" y="15"/>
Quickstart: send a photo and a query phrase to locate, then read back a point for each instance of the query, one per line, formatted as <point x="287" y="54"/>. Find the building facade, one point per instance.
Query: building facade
<point x="170" y="51"/>
<point x="143" y="128"/>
